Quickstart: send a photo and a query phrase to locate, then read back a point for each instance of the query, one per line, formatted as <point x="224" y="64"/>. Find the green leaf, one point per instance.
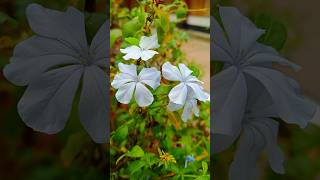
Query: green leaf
<point x="216" y="67"/>
<point x="162" y="89"/>
<point x="121" y="134"/>
<point x="93" y="22"/>
<point x="206" y="177"/>
<point x="131" y="27"/>
<point x="114" y="35"/>
<point x="132" y="40"/>
<point x="136" y="166"/>
<point x="142" y="15"/>
<point x="136" y="151"/>
<point x="204" y="167"/>
<point x="276" y="32"/>
<point x="195" y="70"/>
<point x="181" y="12"/>
<point x="6" y="18"/>
<point x="73" y="147"/>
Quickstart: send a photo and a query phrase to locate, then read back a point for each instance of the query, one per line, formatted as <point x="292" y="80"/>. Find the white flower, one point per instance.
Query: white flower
<point x="144" y="51"/>
<point x="188" y="82"/>
<point x="128" y="82"/>
<point x="186" y="93"/>
<point x="189" y="107"/>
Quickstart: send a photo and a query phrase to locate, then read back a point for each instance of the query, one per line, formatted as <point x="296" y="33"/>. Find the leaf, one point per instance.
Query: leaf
<point x="114" y="35"/>
<point x="93" y="22"/>
<point x="204" y="167"/>
<point x="131" y="27"/>
<point x="206" y="177"/>
<point x="135" y="166"/>
<point x="195" y="70"/>
<point x="216" y="67"/>
<point x="121" y="134"/>
<point x="162" y="89"/>
<point x="181" y="12"/>
<point x="132" y="40"/>
<point x="6" y="18"/>
<point x="135" y="152"/>
<point x="73" y="147"/>
<point x="276" y="32"/>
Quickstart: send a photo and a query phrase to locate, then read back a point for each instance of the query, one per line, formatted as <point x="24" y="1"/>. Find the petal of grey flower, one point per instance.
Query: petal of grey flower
<point x="232" y="21"/>
<point x="249" y="34"/>
<point x="267" y="57"/>
<point x="93" y="104"/>
<point x="46" y="104"/>
<point x="243" y="166"/>
<point x="220" y="45"/>
<point x="229" y="95"/>
<point x="35" y="56"/>
<point x="99" y="45"/>
<point x="269" y="129"/>
<point x="290" y="107"/>
<point x="67" y="27"/>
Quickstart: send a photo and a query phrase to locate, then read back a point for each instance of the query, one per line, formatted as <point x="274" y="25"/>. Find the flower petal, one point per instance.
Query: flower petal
<point x="244" y="164"/>
<point x="99" y="46"/>
<point x="46" y="104"/>
<point x="290" y="106"/>
<point x="219" y="43"/>
<point x="34" y="56"/>
<point x="150" y="76"/>
<point x="125" y="92"/>
<point x="174" y="107"/>
<point x="269" y="129"/>
<point x="261" y="58"/>
<point x="178" y="94"/>
<point x="232" y="20"/>
<point x="143" y="95"/>
<point x="67" y="27"/>
<point x="121" y="79"/>
<point x="229" y="97"/>
<point x="151" y="42"/>
<point x="184" y="70"/>
<point x="195" y="107"/>
<point x="132" y="52"/>
<point x="171" y="72"/>
<point x="187" y="111"/>
<point x="198" y="91"/>
<point x="148" y="54"/>
<point x="93" y="113"/>
<point x="130" y="69"/>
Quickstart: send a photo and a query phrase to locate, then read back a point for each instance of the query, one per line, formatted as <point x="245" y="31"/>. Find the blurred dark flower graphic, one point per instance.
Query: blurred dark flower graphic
<point x="248" y="94"/>
<point x="53" y="63"/>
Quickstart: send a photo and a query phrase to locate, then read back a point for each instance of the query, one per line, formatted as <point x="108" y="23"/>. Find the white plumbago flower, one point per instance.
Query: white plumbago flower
<point x="189" y="107"/>
<point x="142" y="51"/>
<point x="128" y="82"/>
<point x="186" y="93"/>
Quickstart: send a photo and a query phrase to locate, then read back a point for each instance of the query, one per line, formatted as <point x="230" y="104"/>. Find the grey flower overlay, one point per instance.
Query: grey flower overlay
<point x="53" y="63"/>
<point x="248" y="95"/>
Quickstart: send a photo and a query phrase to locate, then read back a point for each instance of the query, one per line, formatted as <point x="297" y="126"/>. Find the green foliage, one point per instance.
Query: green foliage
<point x="275" y="32"/>
<point x="152" y="142"/>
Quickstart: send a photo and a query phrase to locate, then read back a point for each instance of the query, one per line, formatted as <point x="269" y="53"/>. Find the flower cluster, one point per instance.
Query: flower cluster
<point x="129" y="81"/>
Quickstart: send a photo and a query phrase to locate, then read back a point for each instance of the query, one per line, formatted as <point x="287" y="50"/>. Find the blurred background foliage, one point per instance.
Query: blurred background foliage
<point x="300" y="146"/>
<point x="26" y="154"/>
<point x="141" y="138"/>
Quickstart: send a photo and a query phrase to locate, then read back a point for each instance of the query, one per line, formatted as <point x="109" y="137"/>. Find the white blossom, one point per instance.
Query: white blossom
<point x="128" y="82"/>
<point x="187" y="92"/>
<point x="144" y="50"/>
